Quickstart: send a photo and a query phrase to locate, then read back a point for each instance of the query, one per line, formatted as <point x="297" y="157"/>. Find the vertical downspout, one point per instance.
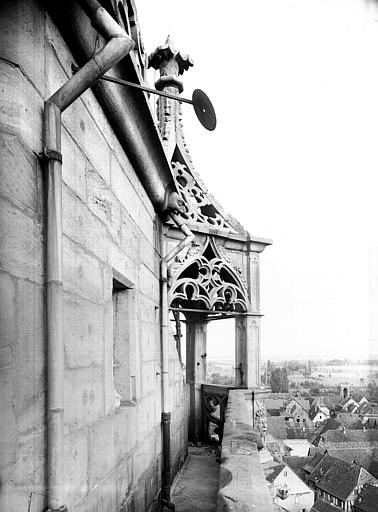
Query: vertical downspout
<point x="117" y="47"/>
<point x="166" y="413"/>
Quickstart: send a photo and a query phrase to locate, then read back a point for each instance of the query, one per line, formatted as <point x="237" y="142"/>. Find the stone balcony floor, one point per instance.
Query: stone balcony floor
<point x="195" y="488"/>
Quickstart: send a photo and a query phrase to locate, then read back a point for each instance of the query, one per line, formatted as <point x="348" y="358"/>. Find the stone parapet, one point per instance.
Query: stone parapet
<point x="242" y="485"/>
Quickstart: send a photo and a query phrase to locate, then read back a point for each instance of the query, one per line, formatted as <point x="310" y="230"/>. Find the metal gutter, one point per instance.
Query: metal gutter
<point x="127" y="110"/>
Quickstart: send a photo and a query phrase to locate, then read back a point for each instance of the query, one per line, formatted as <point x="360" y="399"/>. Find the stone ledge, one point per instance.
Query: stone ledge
<point x="242" y="485"/>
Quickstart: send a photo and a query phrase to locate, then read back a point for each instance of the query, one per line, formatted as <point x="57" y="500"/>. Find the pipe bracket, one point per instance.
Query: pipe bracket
<point x="51" y="154"/>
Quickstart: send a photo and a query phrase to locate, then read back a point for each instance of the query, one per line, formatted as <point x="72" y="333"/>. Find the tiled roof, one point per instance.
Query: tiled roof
<point x="311" y="465"/>
<point x="300" y="432"/>
<point x="283" y="396"/>
<point x="367" y="500"/>
<point x="323" y="506"/>
<point x="297" y="463"/>
<point x="350" y="421"/>
<point x="272" y="473"/>
<point x="351" y="445"/>
<point x="315" y="409"/>
<point x="348" y="435"/>
<point x="337" y="477"/>
<point x="274" y="403"/>
<point x="362" y="457"/>
<point x="276" y="426"/>
<point x="329" y="424"/>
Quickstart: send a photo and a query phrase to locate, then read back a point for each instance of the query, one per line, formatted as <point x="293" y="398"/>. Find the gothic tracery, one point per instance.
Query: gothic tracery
<point x="204" y="280"/>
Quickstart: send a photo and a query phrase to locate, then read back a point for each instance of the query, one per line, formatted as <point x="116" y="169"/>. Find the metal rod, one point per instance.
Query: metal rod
<point x="147" y="89"/>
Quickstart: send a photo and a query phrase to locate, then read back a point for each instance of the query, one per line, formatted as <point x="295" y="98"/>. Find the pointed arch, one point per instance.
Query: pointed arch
<point x="205" y="280"/>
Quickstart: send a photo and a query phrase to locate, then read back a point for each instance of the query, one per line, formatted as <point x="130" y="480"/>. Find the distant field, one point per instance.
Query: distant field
<point x="338" y="375"/>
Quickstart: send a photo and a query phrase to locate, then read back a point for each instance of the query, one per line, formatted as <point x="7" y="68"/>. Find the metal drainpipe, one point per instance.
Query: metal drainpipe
<point x="166" y="413"/>
<point x="119" y="44"/>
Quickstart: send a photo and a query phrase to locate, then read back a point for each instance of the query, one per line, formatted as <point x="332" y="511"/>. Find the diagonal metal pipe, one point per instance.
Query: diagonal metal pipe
<point x="118" y="46"/>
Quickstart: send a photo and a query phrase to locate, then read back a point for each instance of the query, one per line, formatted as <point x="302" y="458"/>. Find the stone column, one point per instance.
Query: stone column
<point x="196" y="332"/>
<point x="247" y="351"/>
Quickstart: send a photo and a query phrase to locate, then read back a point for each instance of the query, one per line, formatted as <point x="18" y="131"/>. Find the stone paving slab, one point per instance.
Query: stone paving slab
<point x="196" y="487"/>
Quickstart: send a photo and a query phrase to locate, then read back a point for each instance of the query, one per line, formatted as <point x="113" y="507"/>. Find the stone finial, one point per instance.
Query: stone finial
<point x="171" y="63"/>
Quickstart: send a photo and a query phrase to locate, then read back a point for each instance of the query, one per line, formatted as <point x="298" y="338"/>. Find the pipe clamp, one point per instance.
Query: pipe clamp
<point x="51" y="154"/>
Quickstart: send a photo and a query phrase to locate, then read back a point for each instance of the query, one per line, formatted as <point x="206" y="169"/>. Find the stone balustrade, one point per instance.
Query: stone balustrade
<point x="242" y="485"/>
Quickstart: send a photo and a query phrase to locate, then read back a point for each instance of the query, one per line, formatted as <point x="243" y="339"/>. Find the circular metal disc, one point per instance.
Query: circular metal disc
<point x="204" y="110"/>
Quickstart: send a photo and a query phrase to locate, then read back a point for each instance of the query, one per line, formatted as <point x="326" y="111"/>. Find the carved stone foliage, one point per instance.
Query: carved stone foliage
<point x="200" y="208"/>
<point x="204" y="280"/>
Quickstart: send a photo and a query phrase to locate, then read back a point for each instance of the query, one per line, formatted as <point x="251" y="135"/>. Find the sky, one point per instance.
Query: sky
<point x="294" y="156"/>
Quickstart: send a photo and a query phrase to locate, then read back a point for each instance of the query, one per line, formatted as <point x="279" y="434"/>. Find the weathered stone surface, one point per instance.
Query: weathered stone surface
<point x="7" y="418"/>
<point x="132" y="239"/>
<point x="20" y="175"/>
<point x="22" y="39"/>
<point x="83" y="395"/>
<point x="122" y="263"/>
<point x="242" y="485"/>
<point x="148" y="283"/>
<point x="29" y="352"/>
<point x="84" y="228"/>
<point x="74" y="164"/>
<point x="83" y="274"/>
<point x="21" y="250"/>
<point x="7" y="310"/>
<point x="76" y="466"/>
<point x="102" y="203"/>
<point x="101" y="450"/>
<point x="83" y="333"/>
<point x="21" y="107"/>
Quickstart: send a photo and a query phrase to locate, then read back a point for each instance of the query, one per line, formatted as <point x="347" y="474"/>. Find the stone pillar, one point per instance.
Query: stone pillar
<point x="247" y="351"/>
<point x="196" y="332"/>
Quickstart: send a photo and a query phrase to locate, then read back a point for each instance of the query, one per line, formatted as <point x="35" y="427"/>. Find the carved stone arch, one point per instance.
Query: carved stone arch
<point x="202" y="279"/>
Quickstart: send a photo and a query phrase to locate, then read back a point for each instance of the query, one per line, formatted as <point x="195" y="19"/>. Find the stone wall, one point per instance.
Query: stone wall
<point x="112" y="451"/>
<point x="242" y="485"/>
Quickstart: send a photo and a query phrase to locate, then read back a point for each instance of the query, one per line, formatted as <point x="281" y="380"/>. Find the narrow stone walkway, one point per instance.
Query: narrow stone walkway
<point x="195" y="489"/>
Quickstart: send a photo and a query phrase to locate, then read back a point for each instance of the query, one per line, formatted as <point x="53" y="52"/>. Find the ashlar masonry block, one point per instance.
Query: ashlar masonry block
<point x="20" y="175"/>
<point x="83" y="395"/>
<point x="83" y="333"/>
<point x="75" y="467"/>
<point x="73" y="168"/>
<point x="21" y="250"/>
<point x="22" y="107"/>
<point x="81" y="226"/>
<point x="83" y="274"/>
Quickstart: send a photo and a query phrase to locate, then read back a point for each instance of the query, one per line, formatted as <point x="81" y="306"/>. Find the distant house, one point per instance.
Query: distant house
<point x="330" y="424"/>
<point x="347" y="404"/>
<point x="297" y="447"/>
<point x="324" y="506"/>
<point x="359" y="438"/>
<point x="288" y="491"/>
<point x="274" y="406"/>
<point x="366" y="458"/>
<point x="291" y="437"/>
<point x="351" y="421"/>
<point x="318" y="413"/>
<point x="367" y="500"/>
<point x="338" y="482"/>
<point x="297" y="464"/>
